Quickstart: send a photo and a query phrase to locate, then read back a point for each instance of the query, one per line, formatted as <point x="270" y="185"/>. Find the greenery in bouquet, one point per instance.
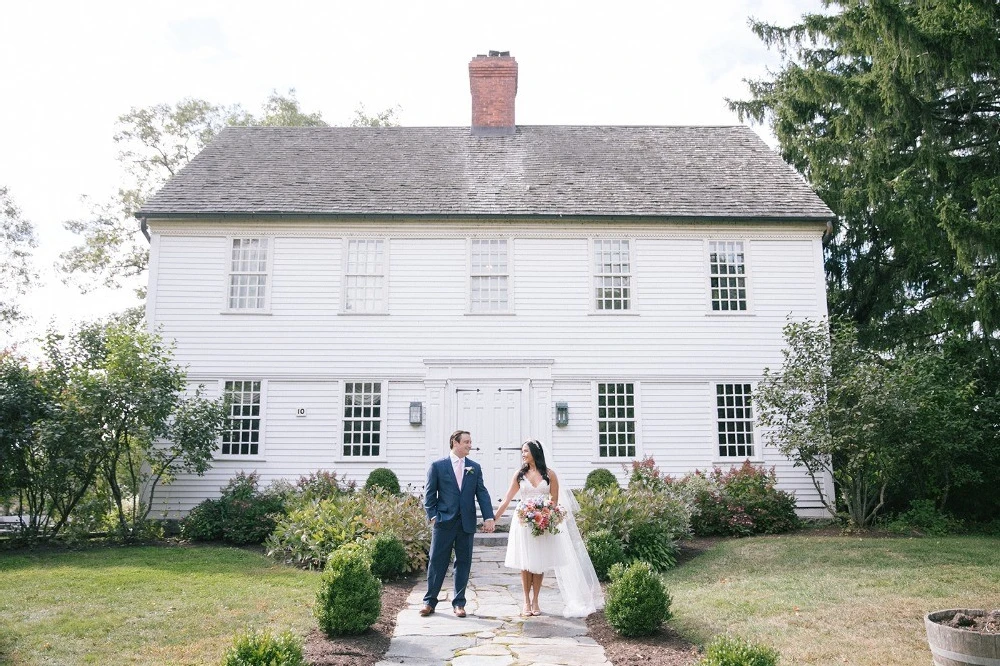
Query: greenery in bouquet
<point x="541" y="515"/>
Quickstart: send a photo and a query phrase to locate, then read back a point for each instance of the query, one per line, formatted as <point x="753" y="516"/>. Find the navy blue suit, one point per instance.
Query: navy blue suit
<point x="454" y="515"/>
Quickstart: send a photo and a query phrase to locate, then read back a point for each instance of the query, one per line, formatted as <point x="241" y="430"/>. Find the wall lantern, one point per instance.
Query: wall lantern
<point x="416" y="413"/>
<point x="562" y="414"/>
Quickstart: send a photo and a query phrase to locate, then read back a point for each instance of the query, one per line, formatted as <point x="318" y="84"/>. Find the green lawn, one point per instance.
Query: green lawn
<point x="144" y="605"/>
<point x="834" y="600"/>
<point x="819" y="600"/>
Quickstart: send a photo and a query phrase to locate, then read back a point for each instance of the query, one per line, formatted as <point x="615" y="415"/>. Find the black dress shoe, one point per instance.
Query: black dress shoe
<point x="459" y="611"/>
<point x="426" y="610"/>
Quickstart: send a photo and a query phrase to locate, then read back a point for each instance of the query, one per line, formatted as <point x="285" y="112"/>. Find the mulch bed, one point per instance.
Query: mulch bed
<point x="367" y="648"/>
<point x="663" y="647"/>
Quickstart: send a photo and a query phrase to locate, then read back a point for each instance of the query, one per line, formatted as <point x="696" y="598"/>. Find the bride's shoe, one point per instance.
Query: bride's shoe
<point x="526" y="611"/>
<point x="536" y="610"/>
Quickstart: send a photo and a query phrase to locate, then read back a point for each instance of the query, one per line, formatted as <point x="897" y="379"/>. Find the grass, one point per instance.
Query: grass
<point x="144" y="605"/>
<point x="817" y="599"/>
<point x="833" y="600"/>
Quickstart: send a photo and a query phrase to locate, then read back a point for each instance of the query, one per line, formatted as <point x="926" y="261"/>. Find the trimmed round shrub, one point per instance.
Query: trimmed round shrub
<point x="383" y="477"/>
<point x="262" y="648"/>
<point x="388" y="556"/>
<point x="600" y="478"/>
<point x="636" y="603"/>
<point x="605" y="550"/>
<point x="736" y="651"/>
<point x="350" y="597"/>
<point x="651" y="543"/>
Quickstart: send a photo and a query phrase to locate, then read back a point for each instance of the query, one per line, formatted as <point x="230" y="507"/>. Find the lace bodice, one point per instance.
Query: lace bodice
<point x="529" y="491"/>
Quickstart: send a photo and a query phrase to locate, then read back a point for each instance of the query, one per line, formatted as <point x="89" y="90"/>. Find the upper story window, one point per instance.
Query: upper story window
<point x="248" y="274"/>
<point x="364" y="276"/>
<point x="362" y="419"/>
<point x="727" y="269"/>
<point x="241" y="436"/>
<point x="612" y="275"/>
<point x="489" y="276"/>
<point x="735" y="420"/>
<point x="616" y="420"/>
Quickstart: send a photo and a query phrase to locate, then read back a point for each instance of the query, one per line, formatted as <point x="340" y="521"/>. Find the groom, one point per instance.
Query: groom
<point x="453" y="486"/>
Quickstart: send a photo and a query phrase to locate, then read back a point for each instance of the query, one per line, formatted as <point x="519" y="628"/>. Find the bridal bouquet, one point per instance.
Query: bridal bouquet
<point x="542" y="515"/>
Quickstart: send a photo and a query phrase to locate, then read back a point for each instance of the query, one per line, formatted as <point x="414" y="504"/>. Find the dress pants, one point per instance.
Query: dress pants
<point x="446" y="536"/>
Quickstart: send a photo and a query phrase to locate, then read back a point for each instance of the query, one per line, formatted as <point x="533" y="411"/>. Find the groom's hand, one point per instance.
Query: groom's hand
<point x="489" y="526"/>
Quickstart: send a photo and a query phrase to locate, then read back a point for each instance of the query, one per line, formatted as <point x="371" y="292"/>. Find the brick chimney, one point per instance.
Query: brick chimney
<point x="493" y="80"/>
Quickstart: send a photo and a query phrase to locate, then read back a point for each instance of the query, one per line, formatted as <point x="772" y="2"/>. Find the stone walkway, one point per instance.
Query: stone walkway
<point x="493" y="633"/>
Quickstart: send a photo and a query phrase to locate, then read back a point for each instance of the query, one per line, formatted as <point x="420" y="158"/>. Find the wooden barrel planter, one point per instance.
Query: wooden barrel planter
<point x="960" y="647"/>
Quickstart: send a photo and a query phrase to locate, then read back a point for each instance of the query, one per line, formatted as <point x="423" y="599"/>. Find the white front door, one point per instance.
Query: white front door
<point x="495" y="418"/>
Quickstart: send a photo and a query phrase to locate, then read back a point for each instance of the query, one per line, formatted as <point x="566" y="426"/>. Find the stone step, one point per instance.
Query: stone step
<point x="495" y="539"/>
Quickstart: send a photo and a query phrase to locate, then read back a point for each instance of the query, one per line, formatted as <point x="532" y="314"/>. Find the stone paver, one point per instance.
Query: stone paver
<point x="493" y="633"/>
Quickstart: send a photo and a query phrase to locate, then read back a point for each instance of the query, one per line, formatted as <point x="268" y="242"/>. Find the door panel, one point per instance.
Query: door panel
<point x="495" y="418"/>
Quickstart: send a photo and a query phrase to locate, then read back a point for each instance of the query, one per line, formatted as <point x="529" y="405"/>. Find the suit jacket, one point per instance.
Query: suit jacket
<point x="444" y="501"/>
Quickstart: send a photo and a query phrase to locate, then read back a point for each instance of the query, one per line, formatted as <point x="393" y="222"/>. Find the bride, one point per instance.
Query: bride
<point x="563" y="552"/>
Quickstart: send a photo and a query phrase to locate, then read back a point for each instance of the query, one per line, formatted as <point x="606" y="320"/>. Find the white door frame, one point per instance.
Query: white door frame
<point x="445" y="376"/>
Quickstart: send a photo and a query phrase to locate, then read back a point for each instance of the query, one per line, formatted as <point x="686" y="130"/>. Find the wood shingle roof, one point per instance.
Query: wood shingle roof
<point x="677" y="172"/>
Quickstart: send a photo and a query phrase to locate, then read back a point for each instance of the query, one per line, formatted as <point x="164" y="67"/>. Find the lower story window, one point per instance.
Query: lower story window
<point x="616" y="420"/>
<point x="362" y="419"/>
<point x="735" y="420"/>
<point x="241" y="436"/>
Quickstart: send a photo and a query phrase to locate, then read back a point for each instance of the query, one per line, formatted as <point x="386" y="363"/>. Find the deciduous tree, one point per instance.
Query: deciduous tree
<point x="16" y="272"/>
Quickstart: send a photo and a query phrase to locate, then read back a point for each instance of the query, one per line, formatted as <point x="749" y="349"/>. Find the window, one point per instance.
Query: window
<point x="616" y="420"/>
<point x="241" y="436"/>
<point x="362" y="419"/>
<point x="489" y="275"/>
<point x="364" y="279"/>
<point x="612" y="279"/>
<point x="248" y="274"/>
<point x="735" y="418"/>
<point x="728" y="276"/>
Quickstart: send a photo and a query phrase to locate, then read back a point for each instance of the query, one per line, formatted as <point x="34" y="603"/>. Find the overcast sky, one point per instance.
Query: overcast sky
<point x="69" y="69"/>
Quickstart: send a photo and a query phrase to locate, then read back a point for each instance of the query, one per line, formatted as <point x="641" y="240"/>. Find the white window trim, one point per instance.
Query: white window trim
<point x="633" y="279"/>
<point x="229" y="272"/>
<point x="345" y="253"/>
<point x="468" y="278"/>
<point x="758" y="448"/>
<point x="217" y="455"/>
<point x="382" y="457"/>
<point x="637" y="389"/>
<point x="747" y="271"/>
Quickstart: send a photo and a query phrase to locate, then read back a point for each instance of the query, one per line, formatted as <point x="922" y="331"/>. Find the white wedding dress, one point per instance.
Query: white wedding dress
<point x="564" y="552"/>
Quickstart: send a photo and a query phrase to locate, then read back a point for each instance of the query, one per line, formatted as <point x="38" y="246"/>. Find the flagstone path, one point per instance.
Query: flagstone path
<point x="493" y="633"/>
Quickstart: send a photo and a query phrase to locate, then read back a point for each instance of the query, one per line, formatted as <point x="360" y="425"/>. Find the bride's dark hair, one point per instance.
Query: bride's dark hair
<point x="535" y="448"/>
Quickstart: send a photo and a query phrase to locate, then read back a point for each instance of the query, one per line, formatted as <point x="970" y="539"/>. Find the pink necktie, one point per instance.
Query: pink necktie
<point x="458" y="472"/>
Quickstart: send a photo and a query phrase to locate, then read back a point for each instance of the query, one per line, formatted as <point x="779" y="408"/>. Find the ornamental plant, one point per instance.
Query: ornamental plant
<point x="605" y="551"/>
<point x="262" y="648"/>
<point x="350" y="597"/>
<point x="384" y="478"/>
<point x="636" y="602"/>
<point x="737" y="651"/>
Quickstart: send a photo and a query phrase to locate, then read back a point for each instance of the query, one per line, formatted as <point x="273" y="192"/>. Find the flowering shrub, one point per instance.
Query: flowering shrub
<point x="647" y="476"/>
<point x="541" y="515"/>
<point x="740" y="502"/>
<point x="402" y="515"/>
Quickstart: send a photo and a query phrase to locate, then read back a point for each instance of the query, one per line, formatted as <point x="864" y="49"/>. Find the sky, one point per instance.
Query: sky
<point x="68" y="70"/>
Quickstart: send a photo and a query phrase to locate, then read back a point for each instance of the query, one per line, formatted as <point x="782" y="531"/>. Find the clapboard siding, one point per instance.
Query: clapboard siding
<point x="670" y="343"/>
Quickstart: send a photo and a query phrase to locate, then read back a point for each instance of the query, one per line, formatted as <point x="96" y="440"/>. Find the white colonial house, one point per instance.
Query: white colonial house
<point x="360" y="293"/>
